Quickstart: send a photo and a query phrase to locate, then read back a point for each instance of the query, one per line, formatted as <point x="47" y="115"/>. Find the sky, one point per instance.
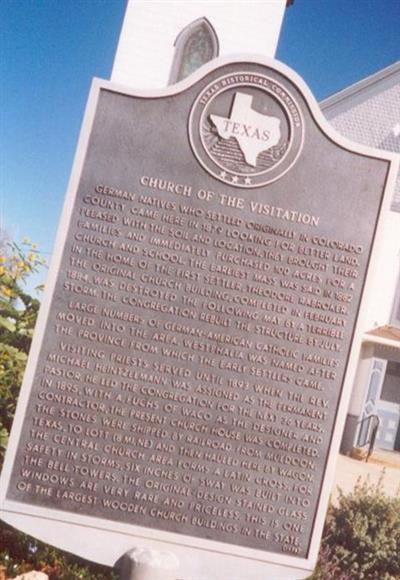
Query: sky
<point x="51" y="49"/>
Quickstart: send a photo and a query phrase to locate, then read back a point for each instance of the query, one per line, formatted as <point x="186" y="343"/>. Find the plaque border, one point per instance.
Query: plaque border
<point x="200" y="557"/>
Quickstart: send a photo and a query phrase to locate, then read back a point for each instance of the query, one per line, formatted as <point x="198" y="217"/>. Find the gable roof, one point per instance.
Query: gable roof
<point x="368" y="112"/>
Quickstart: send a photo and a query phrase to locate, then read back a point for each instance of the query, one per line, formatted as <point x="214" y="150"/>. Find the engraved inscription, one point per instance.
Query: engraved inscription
<point x="189" y="380"/>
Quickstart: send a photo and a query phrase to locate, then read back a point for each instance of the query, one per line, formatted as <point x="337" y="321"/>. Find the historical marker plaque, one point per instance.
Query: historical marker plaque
<point x="188" y="370"/>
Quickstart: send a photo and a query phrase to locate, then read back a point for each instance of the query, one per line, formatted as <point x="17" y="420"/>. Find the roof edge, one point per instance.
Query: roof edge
<point x="360" y="85"/>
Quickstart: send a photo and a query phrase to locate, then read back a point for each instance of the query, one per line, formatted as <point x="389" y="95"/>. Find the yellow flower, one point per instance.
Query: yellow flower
<point x="7" y="291"/>
<point x="2" y="270"/>
<point x="2" y="259"/>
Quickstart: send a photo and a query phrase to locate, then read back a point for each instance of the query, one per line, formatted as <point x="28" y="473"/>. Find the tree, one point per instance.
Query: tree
<point x="18" y="314"/>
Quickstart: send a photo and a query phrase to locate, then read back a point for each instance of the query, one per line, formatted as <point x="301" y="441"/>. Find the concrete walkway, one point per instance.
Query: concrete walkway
<point x="348" y="470"/>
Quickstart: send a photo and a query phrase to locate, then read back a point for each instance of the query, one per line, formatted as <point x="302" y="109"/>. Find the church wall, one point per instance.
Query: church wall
<point x="369" y="113"/>
<point x="146" y="45"/>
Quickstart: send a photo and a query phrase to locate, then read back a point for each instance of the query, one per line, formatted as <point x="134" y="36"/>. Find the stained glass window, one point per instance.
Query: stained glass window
<point x="195" y="45"/>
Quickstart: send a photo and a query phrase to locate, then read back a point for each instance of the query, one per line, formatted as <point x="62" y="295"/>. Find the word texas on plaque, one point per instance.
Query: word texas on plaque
<point x="186" y="386"/>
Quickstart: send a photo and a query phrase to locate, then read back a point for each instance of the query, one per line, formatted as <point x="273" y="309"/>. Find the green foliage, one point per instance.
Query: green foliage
<point x="12" y="366"/>
<point x="18" y="310"/>
<point x="20" y="553"/>
<point x="361" y="538"/>
<point x="18" y="313"/>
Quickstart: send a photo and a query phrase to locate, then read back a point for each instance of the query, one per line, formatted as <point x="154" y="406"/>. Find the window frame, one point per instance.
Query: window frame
<point x="181" y="42"/>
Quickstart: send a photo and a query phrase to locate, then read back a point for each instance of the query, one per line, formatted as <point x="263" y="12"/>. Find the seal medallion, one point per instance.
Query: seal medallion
<point x="246" y="129"/>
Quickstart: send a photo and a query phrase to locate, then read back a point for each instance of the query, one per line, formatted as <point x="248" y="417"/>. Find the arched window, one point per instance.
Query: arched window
<point x="195" y="45"/>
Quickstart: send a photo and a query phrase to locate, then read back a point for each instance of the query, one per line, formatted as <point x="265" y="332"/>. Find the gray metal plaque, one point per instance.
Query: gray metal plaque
<point x="196" y="340"/>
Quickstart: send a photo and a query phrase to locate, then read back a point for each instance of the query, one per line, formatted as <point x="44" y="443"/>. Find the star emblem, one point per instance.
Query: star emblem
<point x="235" y="179"/>
<point x="247" y="181"/>
<point x="222" y="174"/>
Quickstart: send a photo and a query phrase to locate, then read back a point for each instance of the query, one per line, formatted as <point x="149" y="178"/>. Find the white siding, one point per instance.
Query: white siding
<point x="146" y="45"/>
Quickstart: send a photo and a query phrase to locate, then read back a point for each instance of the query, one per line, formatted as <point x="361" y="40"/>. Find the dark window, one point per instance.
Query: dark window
<point x="395" y="320"/>
<point x="391" y="384"/>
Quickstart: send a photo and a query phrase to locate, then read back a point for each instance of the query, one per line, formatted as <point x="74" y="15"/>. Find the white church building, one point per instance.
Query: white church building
<point x="368" y="112"/>
<point x="162" y="42"/>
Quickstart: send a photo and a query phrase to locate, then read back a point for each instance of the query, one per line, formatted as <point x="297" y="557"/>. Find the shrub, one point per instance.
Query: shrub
<point x="361" y="539"/>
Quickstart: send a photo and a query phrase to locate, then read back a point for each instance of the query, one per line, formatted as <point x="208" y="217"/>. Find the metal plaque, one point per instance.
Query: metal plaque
<point x="188" y="368"/>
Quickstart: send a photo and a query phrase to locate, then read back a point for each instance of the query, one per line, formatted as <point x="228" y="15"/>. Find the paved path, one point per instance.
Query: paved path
<point x="349" y="470"/>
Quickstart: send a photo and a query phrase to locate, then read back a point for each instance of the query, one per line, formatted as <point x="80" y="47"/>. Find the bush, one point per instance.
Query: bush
<point x="361" y="539"/>
<point x="18" y="313"/>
